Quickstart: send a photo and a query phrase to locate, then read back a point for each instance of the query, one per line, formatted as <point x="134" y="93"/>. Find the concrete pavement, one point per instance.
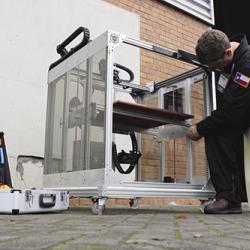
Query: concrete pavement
<point x="169" y="227"/>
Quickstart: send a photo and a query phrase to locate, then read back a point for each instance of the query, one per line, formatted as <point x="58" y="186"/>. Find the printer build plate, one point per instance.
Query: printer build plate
<point x="137" y="117"/>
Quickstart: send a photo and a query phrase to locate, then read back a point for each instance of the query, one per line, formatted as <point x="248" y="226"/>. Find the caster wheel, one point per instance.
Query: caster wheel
<point x="97" y="209"/>
<point x="133" y="203"/>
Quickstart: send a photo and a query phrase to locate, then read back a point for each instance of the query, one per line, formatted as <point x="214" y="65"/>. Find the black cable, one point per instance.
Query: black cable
<point x="134" y="156"/>
<point x="131" y="74"/>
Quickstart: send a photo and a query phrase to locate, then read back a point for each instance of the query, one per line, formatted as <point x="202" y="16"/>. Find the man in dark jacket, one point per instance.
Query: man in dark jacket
<point x="223" y="130"/>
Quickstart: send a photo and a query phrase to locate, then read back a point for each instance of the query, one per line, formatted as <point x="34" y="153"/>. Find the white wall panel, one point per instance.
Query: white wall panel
<point x="30" y="32"/>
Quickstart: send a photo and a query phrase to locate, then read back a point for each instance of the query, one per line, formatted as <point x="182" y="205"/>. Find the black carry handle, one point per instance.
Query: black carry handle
<point x="61" y="47"/>
<point x="63" y="51"/>
<point x="47" y="204"/>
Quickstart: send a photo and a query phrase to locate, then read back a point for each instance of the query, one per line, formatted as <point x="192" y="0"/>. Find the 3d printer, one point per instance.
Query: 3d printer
<point x="95" y="105"/>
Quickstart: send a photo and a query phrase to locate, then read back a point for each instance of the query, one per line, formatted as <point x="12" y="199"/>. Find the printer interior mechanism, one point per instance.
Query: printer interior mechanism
<point x="117" y="116"/>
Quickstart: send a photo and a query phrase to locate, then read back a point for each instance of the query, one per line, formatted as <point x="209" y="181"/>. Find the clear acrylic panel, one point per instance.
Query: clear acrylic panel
<point x="76" y="118"/>
<point x="75" y="110"/>
<point x="97" y="69"/>
<point x="54" y="135"/>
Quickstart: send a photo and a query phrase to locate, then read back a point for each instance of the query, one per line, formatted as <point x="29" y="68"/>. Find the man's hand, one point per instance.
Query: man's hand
<point x="193" y="134"/>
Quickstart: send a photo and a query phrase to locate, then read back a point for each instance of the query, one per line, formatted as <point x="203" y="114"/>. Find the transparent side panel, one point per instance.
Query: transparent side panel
<point x="54" y="131"/>
<point x="75" y="110"/>
<point x="75" y="118"/>
<point x="85" y="106"/>
<point x="96" y="111"/>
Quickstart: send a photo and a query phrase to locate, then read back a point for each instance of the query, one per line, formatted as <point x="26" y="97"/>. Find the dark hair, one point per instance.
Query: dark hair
<point x="211" y="46"/>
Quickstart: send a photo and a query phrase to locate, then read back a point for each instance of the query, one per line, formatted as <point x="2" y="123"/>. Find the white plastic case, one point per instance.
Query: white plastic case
<point x="20" y="201"/>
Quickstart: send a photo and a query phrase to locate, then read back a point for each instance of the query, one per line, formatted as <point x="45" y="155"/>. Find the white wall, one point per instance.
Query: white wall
<point x="30" y="31"/>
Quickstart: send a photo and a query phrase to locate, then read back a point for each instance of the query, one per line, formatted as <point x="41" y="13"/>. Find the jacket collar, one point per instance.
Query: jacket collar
<point x="243" y="47"/>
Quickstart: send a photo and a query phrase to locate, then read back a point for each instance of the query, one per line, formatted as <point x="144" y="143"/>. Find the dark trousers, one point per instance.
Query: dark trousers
<point x="225" y="155"/>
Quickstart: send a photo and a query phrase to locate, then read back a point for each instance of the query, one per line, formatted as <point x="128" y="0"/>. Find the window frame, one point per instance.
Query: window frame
<point x="202" y="9"/>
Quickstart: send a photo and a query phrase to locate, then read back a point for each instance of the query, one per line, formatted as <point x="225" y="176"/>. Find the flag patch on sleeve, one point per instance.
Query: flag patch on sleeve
<point x="241" y="79"/>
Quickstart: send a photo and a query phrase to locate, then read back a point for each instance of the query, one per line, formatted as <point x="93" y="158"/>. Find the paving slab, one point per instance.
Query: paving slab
<point x="122" y="228"/>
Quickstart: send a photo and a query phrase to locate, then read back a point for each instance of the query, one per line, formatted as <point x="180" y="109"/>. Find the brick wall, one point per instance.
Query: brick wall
<point x="166" y="26"/>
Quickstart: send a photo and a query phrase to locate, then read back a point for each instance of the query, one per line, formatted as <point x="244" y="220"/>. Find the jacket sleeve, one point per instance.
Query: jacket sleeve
<point x="233" y="111"/>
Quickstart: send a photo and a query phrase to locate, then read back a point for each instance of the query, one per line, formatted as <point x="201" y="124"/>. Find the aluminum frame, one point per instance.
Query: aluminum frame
<point x="105" y="182"/>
